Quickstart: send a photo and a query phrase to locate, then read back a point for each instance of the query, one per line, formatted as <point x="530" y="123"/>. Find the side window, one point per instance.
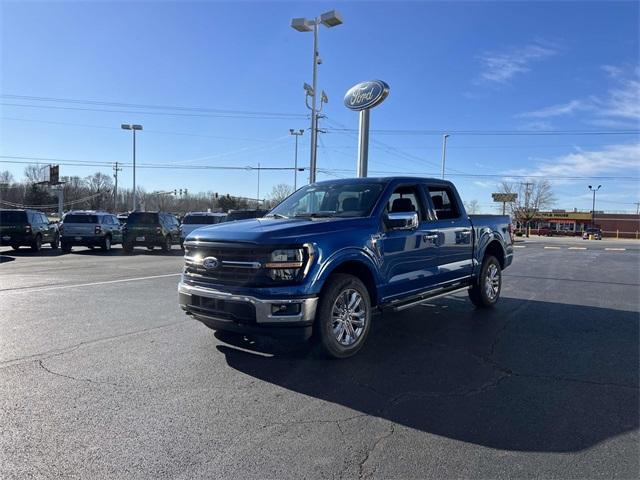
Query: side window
<point x="444" y="203"/>
<point x="406" y="199"/>
<point x="43" y="219"/>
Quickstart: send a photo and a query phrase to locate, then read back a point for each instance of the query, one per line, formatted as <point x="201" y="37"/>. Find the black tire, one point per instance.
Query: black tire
<point x="166" y="246"/>
<point x="338" y="314"/>
<point x="55" y="244"/>
<point x="36" y="245"/>
<point x="181" y="245"/>
<point x="481" y="294"/>
<point x="127" y="247"/>
<point x="106" y="244"/>
<point x="66" y="247"/>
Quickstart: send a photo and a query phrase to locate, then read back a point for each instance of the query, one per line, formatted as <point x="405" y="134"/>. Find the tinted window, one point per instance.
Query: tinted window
<point x="142" y="218"/>
<point x="200" y="220"/>
<point x="75" y="218"/>
<point x="444" y="203"/>
<point x="11" y="217"/>
<point x="406" y="199"/>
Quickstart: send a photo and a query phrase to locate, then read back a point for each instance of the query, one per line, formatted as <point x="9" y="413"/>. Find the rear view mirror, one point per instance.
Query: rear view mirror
<point x="402" y="220"/>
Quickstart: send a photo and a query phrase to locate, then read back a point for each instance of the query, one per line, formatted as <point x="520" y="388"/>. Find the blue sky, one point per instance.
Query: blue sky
<point x="452" y="66"/>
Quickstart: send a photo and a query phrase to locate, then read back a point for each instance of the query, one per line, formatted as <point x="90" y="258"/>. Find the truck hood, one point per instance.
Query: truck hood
<point x="277" y="230"/>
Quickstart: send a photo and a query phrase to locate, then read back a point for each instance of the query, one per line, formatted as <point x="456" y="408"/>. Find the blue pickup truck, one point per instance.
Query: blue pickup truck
<point x="318" y="264"/>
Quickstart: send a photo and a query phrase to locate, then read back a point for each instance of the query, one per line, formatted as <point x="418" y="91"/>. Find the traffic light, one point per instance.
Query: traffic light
<point x="185" y="191"/>
<point x="215" y="195"/>
<point x="180" y="192"/>
<point x="54" y="174"/>
<point x="175" y="192"/>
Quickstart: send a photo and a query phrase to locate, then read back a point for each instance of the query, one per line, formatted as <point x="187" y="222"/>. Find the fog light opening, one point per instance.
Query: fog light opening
<point x="284" y="309"/>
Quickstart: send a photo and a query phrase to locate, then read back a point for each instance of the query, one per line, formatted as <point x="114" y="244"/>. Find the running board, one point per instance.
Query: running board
<point x="403" y="305"/>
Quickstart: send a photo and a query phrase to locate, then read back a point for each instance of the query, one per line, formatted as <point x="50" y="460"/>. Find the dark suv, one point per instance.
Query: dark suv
<point x="29" y="228"/>
<point x="150" y="229"/>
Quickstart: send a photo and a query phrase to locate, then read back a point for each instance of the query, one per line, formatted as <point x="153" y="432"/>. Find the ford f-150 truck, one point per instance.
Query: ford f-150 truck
<point x="319" y="263"/>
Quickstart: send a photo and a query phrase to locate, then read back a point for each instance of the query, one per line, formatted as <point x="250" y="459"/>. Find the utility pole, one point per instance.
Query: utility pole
<point x="526" y="204"/>
<point x="593" y="206"/>
<point x="295" y="133"/>
<point x="125" y="126"/>
<point x="116" y="169"/>
<point x="637" y="208"/>
<point x="258" y="197"/>
<point x="444" y="151"/>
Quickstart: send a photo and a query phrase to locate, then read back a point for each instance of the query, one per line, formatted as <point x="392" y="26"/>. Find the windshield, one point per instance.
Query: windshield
<point x="330" y="200"/>
<point x="201" y="219"/>
<point x="143" y="219"/>
<point x="12" y="216"/>
<point x="80" y="219"/>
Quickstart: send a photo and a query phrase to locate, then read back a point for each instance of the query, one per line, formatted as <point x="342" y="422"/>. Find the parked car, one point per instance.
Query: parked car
<point x="30" y="228"/>
<point x="193" y="220"/>
<point x="150" y="229"/>
<point x="90" y="228"/>
<point x="331" y="253"/>
<point x="234" y="215"/>
<point x="596" y="232"/>
<point x="545" y="232"/>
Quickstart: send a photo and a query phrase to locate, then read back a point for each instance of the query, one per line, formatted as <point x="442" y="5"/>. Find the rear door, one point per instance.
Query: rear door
<point x="450" y="233"/>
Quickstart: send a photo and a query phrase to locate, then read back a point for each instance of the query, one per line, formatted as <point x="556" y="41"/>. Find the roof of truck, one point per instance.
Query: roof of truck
<point x="400" y="179"/>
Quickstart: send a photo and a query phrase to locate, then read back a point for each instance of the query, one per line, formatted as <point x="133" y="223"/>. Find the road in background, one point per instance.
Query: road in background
<point x="104" y="376"/>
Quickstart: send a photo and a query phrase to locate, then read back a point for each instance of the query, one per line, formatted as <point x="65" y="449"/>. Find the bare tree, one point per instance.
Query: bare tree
<point x="33" y="173"/>
<point x="6" y="177"/>
<point x="280" y="192"/>
<point x="99" y="186"/>
<point x="472" y="207"/>
<point x="533" y="196"/>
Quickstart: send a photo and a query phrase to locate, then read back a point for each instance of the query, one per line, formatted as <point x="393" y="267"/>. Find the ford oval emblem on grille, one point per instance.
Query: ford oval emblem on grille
<point x="210" y="263"/>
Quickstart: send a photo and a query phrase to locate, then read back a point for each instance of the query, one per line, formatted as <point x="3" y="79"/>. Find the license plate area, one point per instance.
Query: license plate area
<point x="139" y="239"/>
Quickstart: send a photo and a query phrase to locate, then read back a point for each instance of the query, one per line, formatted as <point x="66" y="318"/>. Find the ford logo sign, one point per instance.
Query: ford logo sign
<point x="210" y="263"/>
<point x="366" y="95"/>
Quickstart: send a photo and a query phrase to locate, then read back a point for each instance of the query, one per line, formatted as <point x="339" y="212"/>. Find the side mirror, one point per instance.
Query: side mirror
<point x="402" y="220"/>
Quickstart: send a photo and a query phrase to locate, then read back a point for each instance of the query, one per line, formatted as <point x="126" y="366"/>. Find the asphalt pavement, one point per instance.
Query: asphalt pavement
<point x="103" y="376"/>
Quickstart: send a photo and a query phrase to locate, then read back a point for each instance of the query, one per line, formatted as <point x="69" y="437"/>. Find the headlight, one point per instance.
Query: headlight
<point x="286" y="264"/>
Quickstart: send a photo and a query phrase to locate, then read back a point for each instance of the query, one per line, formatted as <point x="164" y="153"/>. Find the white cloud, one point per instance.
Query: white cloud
<point x="557" y="110"/>
<point x="621" y="103"/>
<point x="583" y="163"/>
<point x="500" y="67"/>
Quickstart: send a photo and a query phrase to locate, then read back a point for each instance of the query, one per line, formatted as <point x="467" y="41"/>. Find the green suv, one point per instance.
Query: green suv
<point x="27" y="228"/>
<point x="150" y="229"/>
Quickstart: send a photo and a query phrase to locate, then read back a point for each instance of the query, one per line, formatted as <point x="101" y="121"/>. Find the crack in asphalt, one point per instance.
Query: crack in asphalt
<point x="63" y="351"/>
<point x="370" y="451"/>
<point x="69" y="377"/>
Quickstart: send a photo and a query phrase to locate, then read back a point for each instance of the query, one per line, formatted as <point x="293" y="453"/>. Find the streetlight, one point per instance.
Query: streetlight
<point x="295" y="133"/>
<point x="444" y="151"/>
<point x="593" y="208"/>
<point x="126" y="126"/>
<point x="329" y="19"/>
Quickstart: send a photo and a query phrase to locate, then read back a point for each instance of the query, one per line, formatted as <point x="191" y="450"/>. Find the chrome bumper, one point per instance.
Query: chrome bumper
<point x="264" y="312"/>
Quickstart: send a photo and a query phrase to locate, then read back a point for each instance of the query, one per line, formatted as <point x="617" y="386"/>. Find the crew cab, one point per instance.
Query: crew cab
<point x="318" y="264"/>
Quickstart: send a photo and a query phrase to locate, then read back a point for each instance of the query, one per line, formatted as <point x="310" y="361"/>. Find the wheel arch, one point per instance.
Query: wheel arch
<point x="353" y="263"/>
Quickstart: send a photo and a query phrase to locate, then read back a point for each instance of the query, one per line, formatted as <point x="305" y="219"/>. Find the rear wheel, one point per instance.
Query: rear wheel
<point x="106" y="244"/>
<point x="486" y="291"/>
<point x="55" y="243"/>
<point x="343" y="319"/>
<point x="36" y="246"/>
<point x="66" y="247"/>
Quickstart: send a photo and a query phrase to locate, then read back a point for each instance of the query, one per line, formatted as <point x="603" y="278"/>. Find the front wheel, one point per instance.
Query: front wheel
<point x="36" y="246"/>
<point x="343" y="319"/>
<point x="106" y="244"/>
<point x="485" y="292"/>
<point x="166" y="246"/>
<point x="55" y="244"/>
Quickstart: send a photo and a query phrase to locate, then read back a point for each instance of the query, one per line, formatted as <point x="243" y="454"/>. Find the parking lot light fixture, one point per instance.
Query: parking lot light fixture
<point x="593" y="206"/>
<point x="134" y="128"/>
<point x="329" y="19"/>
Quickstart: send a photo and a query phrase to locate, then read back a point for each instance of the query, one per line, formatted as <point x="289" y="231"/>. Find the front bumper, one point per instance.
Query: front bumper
<point x="249" y="314"/>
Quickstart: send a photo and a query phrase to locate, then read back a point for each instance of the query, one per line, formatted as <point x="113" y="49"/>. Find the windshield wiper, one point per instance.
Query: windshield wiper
<point x="326" y="214"/>
<point x="276" y="215"/>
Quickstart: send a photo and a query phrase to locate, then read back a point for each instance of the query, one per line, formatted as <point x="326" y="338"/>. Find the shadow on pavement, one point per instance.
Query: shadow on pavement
<point x="526" y="376"/>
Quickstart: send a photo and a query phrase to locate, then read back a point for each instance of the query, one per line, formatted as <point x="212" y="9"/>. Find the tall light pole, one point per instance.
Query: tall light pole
<point x="258" y="197"/>
<point x="593" y="207"/>
<point x="444" y="151"/>
<point x="295" y="133"/>
<point x="329" y="19"/>
<point x="126" y="126"/>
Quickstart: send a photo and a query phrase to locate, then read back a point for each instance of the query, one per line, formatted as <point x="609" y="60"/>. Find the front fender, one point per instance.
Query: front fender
<point x="338" y="258"/>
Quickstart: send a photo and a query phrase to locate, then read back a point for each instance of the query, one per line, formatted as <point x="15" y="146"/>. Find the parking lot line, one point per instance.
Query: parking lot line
<point x="519" y="246"/>
<point x="616" y="249"/>
<point x="577" y="248"/>
<point x="78" y="285"/>
<point x="552" y="248"/>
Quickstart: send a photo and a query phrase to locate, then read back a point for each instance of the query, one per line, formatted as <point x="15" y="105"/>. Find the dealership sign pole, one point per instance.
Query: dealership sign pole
<point x="362" y="98"/>
<point x="504" y="198"/>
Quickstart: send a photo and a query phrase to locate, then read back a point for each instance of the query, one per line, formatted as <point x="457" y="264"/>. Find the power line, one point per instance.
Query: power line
<point x="148" y="106"/>
<point x="493" y="132"/>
